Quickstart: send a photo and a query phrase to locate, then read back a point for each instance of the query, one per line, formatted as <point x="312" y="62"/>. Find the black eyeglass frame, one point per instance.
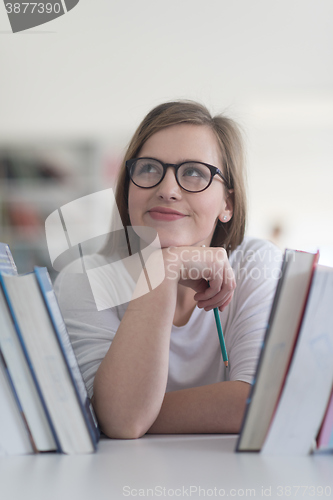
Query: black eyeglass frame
<point x="213" y="171"/>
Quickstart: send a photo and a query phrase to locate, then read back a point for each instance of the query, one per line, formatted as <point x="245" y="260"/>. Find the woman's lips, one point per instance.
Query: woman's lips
<point x="165" y="214"/>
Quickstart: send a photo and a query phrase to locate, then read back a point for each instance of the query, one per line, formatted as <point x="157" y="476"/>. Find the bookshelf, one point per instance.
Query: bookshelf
<point x="36" y="178"/>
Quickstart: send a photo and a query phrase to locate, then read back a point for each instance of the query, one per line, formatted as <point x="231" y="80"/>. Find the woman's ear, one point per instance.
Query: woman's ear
<point x="228" y="209"/>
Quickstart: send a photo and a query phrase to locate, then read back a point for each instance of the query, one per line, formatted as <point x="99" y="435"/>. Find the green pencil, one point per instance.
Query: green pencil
<point x="220" y="334"/>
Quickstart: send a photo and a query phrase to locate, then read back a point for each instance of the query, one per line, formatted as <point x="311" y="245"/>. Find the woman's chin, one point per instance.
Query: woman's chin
<point x="182" y="240"/>
<point x="173" y="242"/>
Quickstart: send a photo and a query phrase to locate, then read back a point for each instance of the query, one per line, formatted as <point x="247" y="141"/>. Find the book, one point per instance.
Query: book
<point x="18" y="370"/>
<point x="15" y="438"/>
<point x="279" y="341"/>
<point x="308" y="384"/>
<point x="325" y="435"/>
<point x="7" y="264"/>
<point x="26" y="386"/>
<point x="65" y="345"/>
<point x="45" y="341"/>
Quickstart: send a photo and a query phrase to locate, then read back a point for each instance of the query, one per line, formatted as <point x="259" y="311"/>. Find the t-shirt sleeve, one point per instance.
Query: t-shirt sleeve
<point x="257" y="269"/>
<point x="91" y="331"/>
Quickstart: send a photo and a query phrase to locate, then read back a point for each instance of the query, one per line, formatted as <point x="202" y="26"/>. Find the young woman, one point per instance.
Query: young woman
<point x="154" y="365"/>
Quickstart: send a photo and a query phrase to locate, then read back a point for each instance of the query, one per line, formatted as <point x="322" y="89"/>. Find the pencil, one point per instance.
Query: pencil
<point x="220" y="334"/>
<point x="221" y="338"/>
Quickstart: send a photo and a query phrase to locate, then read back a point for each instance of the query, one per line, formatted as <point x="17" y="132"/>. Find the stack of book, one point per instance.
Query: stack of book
<point x="290" y="407"/>
<point x="44" y="403"/>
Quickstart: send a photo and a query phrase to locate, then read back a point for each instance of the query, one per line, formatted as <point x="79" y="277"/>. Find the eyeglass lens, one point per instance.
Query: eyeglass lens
<point x="191" y="176"/>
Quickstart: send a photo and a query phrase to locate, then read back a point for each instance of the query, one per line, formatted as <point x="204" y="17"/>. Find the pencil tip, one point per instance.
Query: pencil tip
<point x="226" y="364"/>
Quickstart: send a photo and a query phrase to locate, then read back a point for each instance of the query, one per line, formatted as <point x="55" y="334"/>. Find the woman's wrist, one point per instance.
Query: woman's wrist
<point x="173" y="264"/>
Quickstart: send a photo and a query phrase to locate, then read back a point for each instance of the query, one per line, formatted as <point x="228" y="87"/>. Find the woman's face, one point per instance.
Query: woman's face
<point x="195" y="214"/>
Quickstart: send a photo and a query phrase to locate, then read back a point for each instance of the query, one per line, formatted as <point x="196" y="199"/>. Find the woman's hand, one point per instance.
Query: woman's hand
<point x="204" y="269"/>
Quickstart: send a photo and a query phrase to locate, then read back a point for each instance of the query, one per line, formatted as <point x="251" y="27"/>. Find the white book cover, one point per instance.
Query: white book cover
<point x="308" y="385"/>
<point x="14" y="437"/>
<point x="22" y="379"/>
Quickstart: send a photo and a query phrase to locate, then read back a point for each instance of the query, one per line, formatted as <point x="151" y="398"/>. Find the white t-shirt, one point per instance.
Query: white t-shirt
<point x="195" y="355"/>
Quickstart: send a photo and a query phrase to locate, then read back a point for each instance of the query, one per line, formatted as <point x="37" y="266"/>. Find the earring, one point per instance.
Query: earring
<point x="225" y="218"/>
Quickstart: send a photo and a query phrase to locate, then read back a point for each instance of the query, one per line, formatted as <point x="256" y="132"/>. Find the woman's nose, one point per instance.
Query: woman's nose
<point x="169" y="187"/>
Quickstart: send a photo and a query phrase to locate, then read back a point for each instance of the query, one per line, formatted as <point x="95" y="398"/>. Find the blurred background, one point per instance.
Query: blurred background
<point x="73" y="91"/>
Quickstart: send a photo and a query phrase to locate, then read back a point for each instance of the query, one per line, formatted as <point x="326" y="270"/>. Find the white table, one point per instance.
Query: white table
<point x="185" y="466"/>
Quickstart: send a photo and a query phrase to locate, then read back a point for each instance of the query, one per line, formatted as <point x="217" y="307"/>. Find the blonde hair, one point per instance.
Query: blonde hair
<point x="230" y="234"/>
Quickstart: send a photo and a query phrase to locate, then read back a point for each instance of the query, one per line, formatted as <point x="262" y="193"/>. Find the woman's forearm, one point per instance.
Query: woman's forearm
<point x="130" y="383"/>
<point x="215" y="408"/>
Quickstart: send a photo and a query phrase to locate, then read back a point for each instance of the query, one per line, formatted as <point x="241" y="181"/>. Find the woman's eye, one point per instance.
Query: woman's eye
<point x="192" y="172"/>
<point x="147" y="169"/>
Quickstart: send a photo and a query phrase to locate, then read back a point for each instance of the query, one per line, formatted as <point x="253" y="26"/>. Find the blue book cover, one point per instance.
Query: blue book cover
<point x="60" y="329"/>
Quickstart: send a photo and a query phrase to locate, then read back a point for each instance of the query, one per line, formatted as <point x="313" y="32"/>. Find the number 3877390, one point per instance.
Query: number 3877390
<point x="32" y="7"/>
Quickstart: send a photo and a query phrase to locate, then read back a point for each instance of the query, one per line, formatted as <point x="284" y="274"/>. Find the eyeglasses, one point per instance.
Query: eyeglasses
<point x="192" y="176"/>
